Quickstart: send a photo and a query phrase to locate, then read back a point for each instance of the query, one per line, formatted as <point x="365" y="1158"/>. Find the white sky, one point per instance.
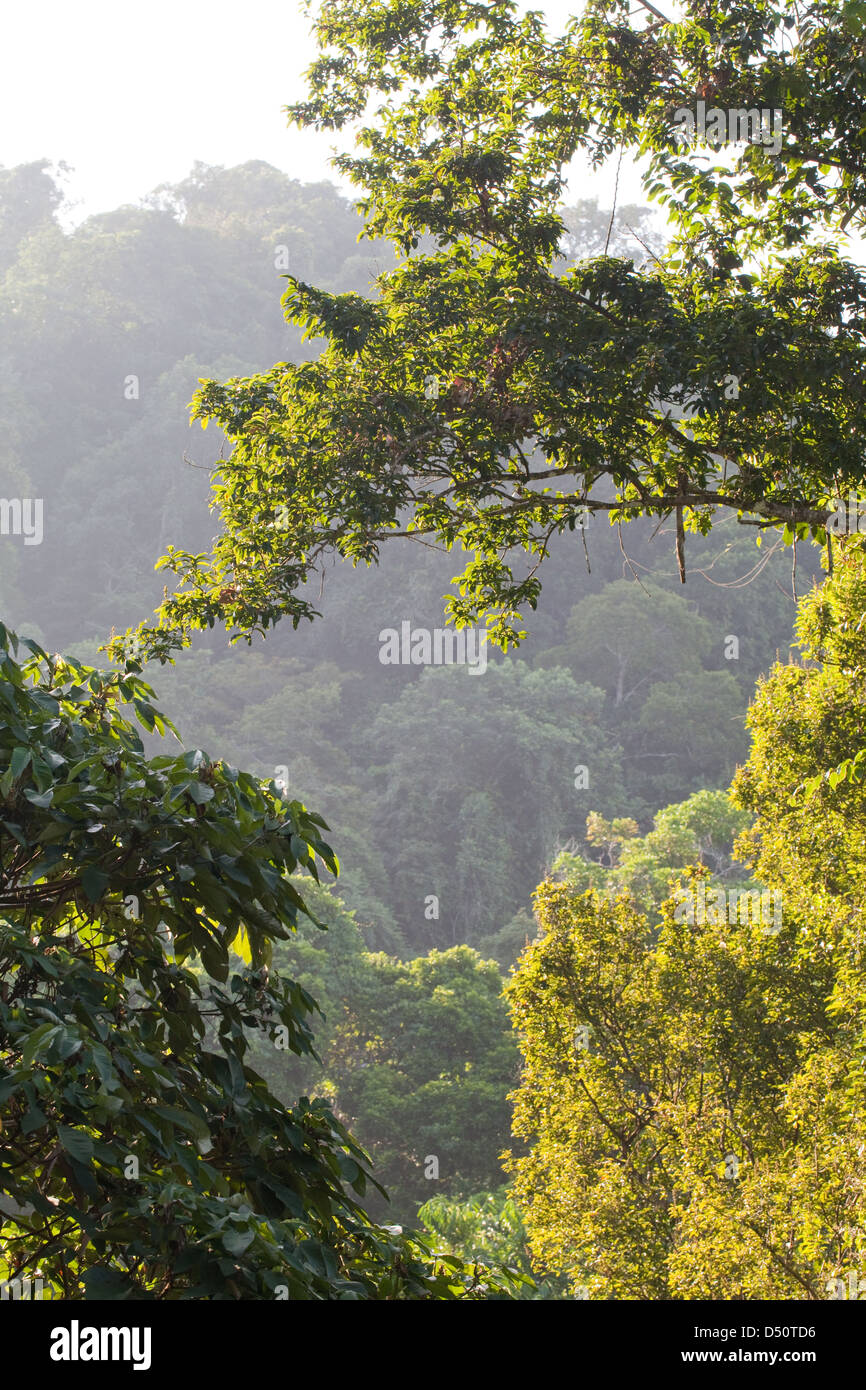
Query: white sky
<point x="132" y="95"/>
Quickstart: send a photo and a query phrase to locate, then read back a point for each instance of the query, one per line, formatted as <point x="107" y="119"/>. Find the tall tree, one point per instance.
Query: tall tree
<point x="693" y="1098"/>
<point x="487" y="399"/>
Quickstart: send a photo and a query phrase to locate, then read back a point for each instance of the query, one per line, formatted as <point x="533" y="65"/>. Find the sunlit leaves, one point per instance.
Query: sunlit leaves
<point x="728" y="372"/>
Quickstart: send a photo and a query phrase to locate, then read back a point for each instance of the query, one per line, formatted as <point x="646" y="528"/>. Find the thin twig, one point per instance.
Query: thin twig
<point x="652" y="9"/>
<point x="615" y="193"/>
<point x="628" y="561"/>
<point x="645" y="246"/>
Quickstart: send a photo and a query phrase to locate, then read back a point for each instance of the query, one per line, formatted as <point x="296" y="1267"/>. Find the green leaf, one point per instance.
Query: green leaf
<point x="19" y="760"/>
<point x="237" y="1242"/>
<point x="35" y="1040"/>
<point x="41" y="799"/>
<point x="200" y="792"/>
<point x="191" y="1123"/>
<point x="94" y="882"/>
<point x="101" y="1282"/>
<point x="34" y="1119"/>
<point x="76" y="1142"/>
<point x="8" y="1086"/>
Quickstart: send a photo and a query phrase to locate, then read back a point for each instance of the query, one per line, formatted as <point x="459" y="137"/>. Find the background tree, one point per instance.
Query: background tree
<point x="701" y="830"/>
<point x="29" y="200"/>
<point x="421" y="1065"/>
<point x="486" y="1222"/>
<point x="609" y="634"/>
<point x="514" y="738"/>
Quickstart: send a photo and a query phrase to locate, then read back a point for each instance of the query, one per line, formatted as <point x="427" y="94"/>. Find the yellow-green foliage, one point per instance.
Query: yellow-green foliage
<point x="706" y="1136"/>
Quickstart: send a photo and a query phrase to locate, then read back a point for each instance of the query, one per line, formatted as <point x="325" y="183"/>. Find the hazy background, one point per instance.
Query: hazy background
<point x="131" y="96"/>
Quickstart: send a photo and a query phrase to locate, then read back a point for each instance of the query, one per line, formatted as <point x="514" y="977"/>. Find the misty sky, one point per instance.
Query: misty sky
<point x="132" y="95"/>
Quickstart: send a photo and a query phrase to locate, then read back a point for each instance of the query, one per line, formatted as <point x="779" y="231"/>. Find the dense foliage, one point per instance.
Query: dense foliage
<point x="359" y="740"/>
<point x="495" y="376"/>
<point x="138" y="1161"/>
<point x="491" y="398"/>
<point x="694" y="1096"/>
